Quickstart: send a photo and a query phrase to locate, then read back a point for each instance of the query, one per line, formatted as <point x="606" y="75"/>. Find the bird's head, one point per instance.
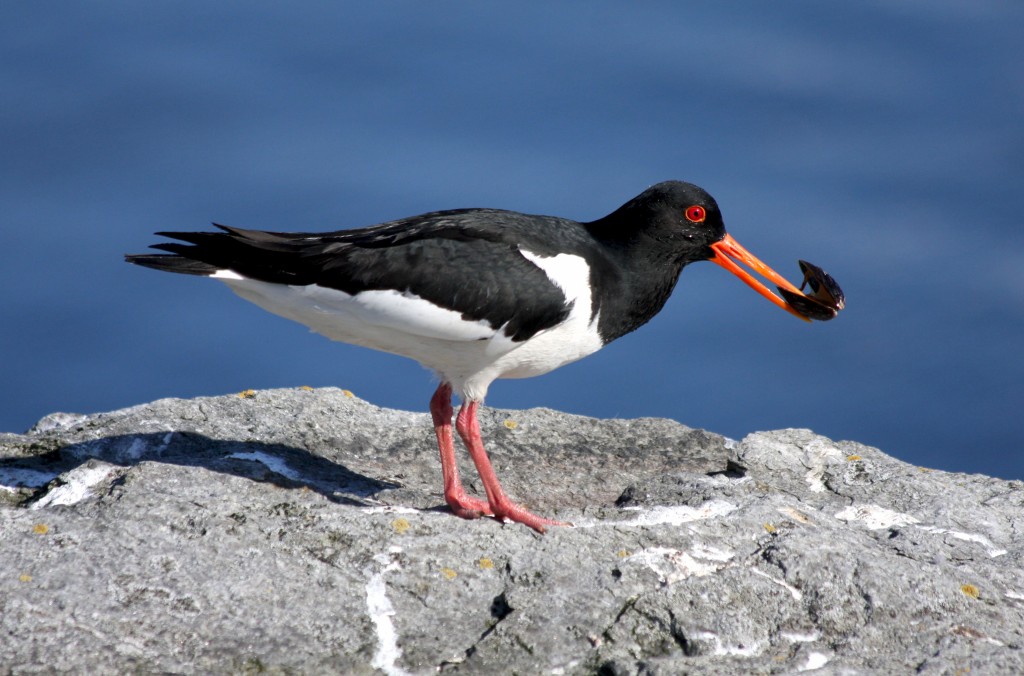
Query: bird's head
<point x="684" y="219"/>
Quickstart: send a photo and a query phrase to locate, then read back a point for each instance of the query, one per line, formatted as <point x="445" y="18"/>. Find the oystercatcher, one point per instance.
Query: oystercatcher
<point x="477" y="294"/>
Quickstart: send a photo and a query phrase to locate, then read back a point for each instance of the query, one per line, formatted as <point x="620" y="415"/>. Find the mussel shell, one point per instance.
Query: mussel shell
<point x="823" y="287"/>
<point x="808" y="306"/>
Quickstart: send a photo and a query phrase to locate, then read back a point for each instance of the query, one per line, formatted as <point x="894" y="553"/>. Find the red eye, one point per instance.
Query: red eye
<point x="696" y="213"/>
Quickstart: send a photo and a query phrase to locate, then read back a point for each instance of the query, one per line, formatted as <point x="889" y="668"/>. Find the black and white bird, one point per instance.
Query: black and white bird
<point x="476" y="294"/>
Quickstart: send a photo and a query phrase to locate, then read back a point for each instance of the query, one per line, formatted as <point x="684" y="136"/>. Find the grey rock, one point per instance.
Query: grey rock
<point x="302" y="531"/>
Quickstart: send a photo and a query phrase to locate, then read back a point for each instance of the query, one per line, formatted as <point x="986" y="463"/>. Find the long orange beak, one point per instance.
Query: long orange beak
<point x="728" y="251"/>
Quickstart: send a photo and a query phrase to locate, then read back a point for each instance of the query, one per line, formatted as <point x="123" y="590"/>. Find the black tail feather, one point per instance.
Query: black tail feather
<point x="266" y="256"/>
<point x="172" y="263"/>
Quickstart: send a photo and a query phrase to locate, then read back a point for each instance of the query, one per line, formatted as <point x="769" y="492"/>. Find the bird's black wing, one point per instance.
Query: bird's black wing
<point x="468" y="261"/>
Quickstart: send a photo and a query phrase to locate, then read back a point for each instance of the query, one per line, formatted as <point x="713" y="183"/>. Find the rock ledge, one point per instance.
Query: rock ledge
<point x="301" y="531"/>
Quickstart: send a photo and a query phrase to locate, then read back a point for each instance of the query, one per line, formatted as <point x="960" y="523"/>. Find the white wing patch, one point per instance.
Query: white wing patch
<point x="573" y="339"/>
<point x="569" y="273"/>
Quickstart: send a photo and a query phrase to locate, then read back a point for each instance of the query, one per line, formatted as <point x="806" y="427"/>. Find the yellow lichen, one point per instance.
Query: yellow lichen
<point x="400" y="525"/>
<point x="623" y="553"/>
<point x="40" y="529"/>
<point x="485" y="563"/>
<point x="347" y="393"/>
<point x="305" y="388"/>
<point x="24" y="577"/>
<point x="247" y="394"/>
<point x="853" y="458"/>
<point x="970" y="590"/>
<point x="511" y="424"/>
<point x="448" y="573"/>
<point x="770" y="528"/>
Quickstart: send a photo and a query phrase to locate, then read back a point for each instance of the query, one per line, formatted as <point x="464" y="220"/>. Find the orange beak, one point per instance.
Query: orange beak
<point x="728" y="251"/>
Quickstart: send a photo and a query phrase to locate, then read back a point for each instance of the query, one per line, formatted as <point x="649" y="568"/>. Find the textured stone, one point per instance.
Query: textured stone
<point x="292" y="531"/>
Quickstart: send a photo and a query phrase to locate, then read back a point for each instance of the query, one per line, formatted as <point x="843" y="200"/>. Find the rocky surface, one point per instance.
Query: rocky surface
<point x="302" y="531"/>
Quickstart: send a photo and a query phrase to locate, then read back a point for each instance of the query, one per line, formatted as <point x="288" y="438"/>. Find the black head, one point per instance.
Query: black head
<point x="675" y="219"/>
<point x="679" y="223"/>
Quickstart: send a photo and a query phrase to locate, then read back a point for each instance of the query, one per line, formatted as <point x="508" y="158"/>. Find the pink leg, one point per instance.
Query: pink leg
<point x="500" y="506"/>
<point x="454" y="494"/>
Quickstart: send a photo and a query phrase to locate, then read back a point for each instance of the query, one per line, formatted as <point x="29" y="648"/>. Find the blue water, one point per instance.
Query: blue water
<point x="881" y="141"/>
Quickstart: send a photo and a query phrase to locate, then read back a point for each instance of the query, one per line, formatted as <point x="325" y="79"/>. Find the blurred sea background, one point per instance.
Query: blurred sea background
<point x="882" y="141"/>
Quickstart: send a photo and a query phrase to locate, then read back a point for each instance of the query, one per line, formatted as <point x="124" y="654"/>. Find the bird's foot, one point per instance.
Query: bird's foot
<point x="466" y="506"/>
<point x="509" y="511"/>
